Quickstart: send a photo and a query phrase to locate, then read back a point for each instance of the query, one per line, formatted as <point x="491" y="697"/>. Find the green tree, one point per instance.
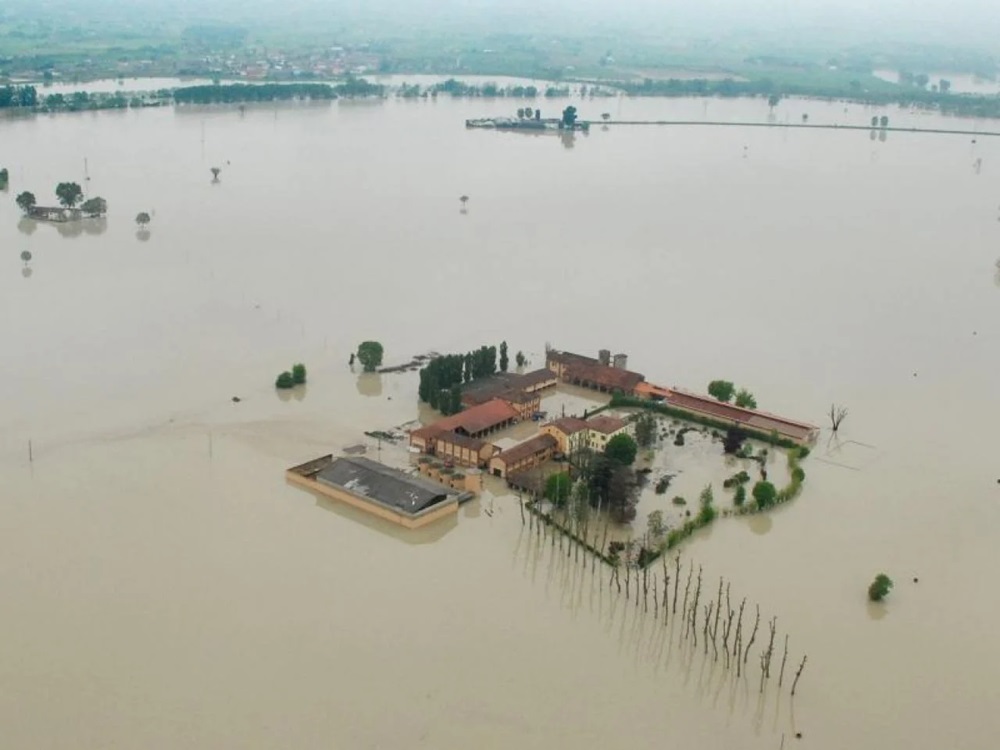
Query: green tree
<point x="880" y="587"/>
<point x="764" y="494"/>
<point x="4" y="178"/>
<point x="520" y="359"/>
<point x="370" y="354"/>
<point x="142" y="219"/>
<point x="746" y="399"/>
<point x="722" y="390"/>
<point x="285" y="380"/>
<point x="25" y="201"/>
<point x="874" y="121"/>
<point x="569" y="116"/>
<point x="557" y="488"/>
<point x="884" y="121"/>
<point x="773" y="100"/>
<point x="455" y="399"/>
<point x="707" y="513"/>
<point x="95" y="207"/>
<point x="645" y="430"/>
<point x="740" y="497"/>
<point x="621" y="449"/>
<point x="299" y="373"/>
<point x="503" y="357"/>
<point x="69" y="194"/>
<point x="944" y="85"/>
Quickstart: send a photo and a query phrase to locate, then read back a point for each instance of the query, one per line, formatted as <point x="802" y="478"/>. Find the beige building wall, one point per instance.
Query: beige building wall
<point x="362" y="503"/>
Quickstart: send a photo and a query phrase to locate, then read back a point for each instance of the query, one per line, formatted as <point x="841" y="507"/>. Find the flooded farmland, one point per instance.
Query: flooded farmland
<point x="164" y="586"/>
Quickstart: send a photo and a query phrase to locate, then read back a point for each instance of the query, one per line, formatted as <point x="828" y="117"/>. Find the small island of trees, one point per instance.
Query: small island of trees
<point x="70" y="196"/>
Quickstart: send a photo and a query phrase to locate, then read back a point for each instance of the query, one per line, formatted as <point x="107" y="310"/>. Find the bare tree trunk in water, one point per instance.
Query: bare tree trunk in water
<point x="784" y="658"/>
<point x="684" y="608"/>
<point x="677" y="579"/>
<point x="798" y="674"/>
<point x="753" y="636"/>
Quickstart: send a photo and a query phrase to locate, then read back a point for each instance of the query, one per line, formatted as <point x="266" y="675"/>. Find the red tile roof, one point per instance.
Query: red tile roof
<point x="758" y="420"/>
<point x="604" y="424"/>
<point x="568" y="425"/>
<point x="611" y="378"/>
<point x="528" y="448"/>
<point x="473" y="421"/>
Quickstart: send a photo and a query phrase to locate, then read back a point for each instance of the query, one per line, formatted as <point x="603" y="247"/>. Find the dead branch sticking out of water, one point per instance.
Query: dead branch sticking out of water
<point x="739" y="637"/>
<point x="715" y="626"/>
<point x="694" y="609"/>
<point x="708" y="618"/>
<point x="837" y="414"/>
<point x="753" y="636"/>
<point x="784" y="658"/>
<point x="798" y="674"/>
<point x="687" y="589"/>
<point x="677" y="579"/>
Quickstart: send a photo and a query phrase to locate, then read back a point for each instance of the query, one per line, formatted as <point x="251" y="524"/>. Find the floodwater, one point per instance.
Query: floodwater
<point x="164" y="587"/>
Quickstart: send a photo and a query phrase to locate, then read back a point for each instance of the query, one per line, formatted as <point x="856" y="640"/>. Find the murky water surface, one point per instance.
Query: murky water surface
<point x="163" y="587"/>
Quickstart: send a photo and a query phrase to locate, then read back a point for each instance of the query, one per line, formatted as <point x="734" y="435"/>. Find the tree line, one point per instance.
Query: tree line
<point x="942" y="99"/>
<point x="442" y="378"/>
<point x="18" y="96"/>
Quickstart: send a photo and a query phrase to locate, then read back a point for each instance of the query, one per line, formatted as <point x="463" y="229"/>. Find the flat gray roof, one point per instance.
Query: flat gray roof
<point x="383" y="484"/>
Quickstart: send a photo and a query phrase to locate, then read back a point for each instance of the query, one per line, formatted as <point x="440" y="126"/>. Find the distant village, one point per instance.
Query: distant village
<point x="456" y="452"/>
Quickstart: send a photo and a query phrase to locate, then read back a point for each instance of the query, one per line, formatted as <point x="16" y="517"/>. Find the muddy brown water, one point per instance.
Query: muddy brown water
<point x="162" y="586"/>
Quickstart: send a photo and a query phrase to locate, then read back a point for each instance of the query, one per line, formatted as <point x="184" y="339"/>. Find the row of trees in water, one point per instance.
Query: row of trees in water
<point x="677" y="595"/>
<point x="70" y="195"/>
<point x="442" y="378"/>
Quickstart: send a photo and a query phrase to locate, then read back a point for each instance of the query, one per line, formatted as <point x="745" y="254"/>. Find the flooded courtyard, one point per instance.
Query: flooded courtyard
<point x="165" y="587"/>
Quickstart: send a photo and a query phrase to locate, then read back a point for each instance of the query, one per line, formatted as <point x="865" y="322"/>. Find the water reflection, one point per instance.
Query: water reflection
<point x="299" y="392"/>
<point x="69" y="229"/>
<point x="370" y="384"/>
<point x="95" y="226"/>
<point x="568" y="138"/>
<point x="760" y="523"/>
<point x="425" y="535"/>
<point x="26" y="272"/>
<point x="27" y="226"/>
<point x="142" y="235"/>
<point x="877" y="610"/>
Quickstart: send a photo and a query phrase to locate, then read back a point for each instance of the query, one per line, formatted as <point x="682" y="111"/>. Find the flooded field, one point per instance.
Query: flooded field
<point x="165" y="587"/>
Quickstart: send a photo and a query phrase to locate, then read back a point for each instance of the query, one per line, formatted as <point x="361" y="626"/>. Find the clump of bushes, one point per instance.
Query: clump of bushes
<point x="662" y="484"/>
<point x="679" y="501"/>
<point x="880" y="587"/>
<point x="291" y="378"/>
<point x="736" y="480"/>
<point x="740" y="497"/>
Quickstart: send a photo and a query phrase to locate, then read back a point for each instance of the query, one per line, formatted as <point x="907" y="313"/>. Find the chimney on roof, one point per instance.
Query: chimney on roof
<point x="621" y="361"/>
<point x="604" y="357"/>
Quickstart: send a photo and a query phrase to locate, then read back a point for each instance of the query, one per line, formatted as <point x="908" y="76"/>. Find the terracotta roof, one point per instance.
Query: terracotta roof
<point x="568" y="425"/>
<point x="757" y="420"/>
<point x="535" y="377"/>
<point x="479" y="418"/>
<point x="528" y="448"/>
<point x="462" y="441"/>
<point x="568" y="358"/>
<point x="611" y="378"/>
<point x="501" y="391"/>
<point x="604" y="424"/>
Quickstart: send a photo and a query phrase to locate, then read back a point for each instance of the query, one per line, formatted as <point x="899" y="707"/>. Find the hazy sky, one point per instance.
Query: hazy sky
<point x="951" y="22"/>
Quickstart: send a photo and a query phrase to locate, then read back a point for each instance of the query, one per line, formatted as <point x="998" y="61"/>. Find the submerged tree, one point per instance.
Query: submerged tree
<point x="764" y="494"/>
<point x="285" y="380"/>
<point x="142" y="219"/>
<point x="621" y="449"/>
<point x="216" y="171"/>
<point x="645" y="430"/>
<point x="521" y="360"/>
<point x="95" y="207"/>
<point x="69" y="194"/>
<point x="558" y="488"/>
<point x="837" y="414"/>
<point x="26" y="201"/>
<point x="569" y="116"/>
<point x="26" y="256"/>
<point x="721" y="390"/>
<point x="880" y="587"/>
<point x="299" y="373"/>
<point x="746" y="399"/>
<point x="370" y="354"/>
